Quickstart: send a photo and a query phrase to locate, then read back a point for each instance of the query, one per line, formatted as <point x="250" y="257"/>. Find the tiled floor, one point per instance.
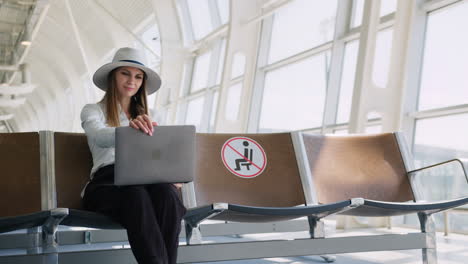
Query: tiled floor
<point x="452" y="249"/>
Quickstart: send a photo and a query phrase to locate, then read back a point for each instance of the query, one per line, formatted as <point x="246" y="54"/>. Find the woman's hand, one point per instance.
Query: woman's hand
<point x="143" y="123"/>
<point x="178" y="185"/>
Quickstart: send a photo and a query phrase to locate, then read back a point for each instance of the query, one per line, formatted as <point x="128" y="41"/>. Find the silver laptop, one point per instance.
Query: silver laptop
<point x="166" y="157"/>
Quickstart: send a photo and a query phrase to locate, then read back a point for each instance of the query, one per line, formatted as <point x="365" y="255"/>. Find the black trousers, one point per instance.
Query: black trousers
<point x="151" y="214"/>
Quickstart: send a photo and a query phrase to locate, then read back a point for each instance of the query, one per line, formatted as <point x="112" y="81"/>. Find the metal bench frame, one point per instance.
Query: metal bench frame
<point x="42" y="243"/>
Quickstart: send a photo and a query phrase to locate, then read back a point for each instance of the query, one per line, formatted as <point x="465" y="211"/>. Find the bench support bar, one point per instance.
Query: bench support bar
<point x="256" y="249"/>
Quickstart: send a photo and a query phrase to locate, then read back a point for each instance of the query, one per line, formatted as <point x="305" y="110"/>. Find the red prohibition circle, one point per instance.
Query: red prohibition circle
<point x="223" y="150"/>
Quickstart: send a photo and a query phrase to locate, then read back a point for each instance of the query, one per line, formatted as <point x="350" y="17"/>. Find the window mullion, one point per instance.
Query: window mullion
<point x="214" y="10"/>
<point x="259" y="82"/>
<point x="414" y="70"/>
<point x="336" y="65"/>
<point x="187" y="21"/>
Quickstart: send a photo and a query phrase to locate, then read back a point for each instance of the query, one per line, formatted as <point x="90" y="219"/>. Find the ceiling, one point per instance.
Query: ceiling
<point x="18" y="21"/>
<point x="43" y="86"/>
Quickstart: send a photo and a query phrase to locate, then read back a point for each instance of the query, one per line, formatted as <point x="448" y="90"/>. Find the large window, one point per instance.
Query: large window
<point x="347" y="82"/>
<point x="194" y="112"/>
<point x="299" y="84"/>
<point x="200" y="18"/>
<point x="379" y="74"/>
<point x="150" y="44"/>
<point x="444" y="79"/>
<point x="233" y="102"/>
<point x="200" y="88"/>
<point x="383" y="50"/>
<point x="441" y="138"/>
<point x="201" y="72"/>
<point x="238" y="65"/>
<point x="443" y="82"/>
<point x="295" y="76"/>
<point x="223" y="8"/>
<point x="150" y="36"/>
<point x="358" y="10"/>
<point x="439" y="134"/>
<point x="301" y="25"/>
<point x="387" y="7"/>
<point x="294" y="96"/>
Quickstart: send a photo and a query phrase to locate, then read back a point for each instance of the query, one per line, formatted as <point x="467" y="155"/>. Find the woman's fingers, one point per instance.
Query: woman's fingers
<point x="178" y="185"/>
<point x="144" y="123"/>
<point x="144" y="119"/>
<point x="142" y="126"/>
<point x="132" y="124"/>
<point x="148" y="122"/>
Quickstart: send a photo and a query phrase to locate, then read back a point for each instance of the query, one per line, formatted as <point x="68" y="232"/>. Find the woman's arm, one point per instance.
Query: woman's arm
<point x="93" y="123"/>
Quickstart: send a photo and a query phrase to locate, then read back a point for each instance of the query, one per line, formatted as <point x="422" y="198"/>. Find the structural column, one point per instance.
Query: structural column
<point x="243" y="39"/>
<point x="367" y="96"/>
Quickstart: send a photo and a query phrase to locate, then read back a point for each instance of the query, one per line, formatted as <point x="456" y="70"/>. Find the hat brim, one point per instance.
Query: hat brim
<point x="153" y="81"/>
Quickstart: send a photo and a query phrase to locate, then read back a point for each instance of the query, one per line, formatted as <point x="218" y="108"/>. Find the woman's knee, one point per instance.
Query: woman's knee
<point x="167" y="195"/>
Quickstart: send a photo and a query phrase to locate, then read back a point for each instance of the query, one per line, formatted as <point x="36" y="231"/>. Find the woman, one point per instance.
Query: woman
<point x="151" y="213"/>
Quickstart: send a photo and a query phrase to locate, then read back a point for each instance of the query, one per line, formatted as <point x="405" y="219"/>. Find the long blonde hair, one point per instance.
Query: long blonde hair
<point x="138" y="103"/>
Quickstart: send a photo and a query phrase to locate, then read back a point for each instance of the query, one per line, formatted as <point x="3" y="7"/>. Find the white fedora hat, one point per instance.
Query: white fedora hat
<point x="127" y="57"/>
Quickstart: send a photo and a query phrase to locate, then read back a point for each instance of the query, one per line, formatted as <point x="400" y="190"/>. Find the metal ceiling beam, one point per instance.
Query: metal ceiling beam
<point x="76" y="32"/>
<point x="44" y="4"/>
<point x="17" y="89"/>
<point x="12" y="103"/>
<point x="11" y="23"/>
<point x="9" y="68"/>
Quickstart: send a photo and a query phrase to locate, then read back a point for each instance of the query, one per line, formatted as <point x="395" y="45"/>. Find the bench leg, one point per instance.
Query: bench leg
<point x="328" y="259"/>
<point x="33" y="241"/>
<point x="49" y="238"/>
<point x="317" y="230"/>
<point x="316" y="227"/>
<point x="429" y="254"/>
<point x="192" y="234"/>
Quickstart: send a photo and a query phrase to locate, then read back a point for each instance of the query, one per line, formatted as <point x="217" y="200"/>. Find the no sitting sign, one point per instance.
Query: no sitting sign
<point x="243" y="157"/>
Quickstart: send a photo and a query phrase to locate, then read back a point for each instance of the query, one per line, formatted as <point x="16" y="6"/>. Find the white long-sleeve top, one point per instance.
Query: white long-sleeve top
<point x="101" y="137"/>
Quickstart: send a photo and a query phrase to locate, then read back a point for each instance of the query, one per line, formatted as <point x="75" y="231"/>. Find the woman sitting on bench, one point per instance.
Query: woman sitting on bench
<point x="151" y="214"/>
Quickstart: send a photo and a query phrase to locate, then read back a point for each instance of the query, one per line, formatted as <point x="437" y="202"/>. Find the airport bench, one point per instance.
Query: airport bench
<point x="306" y="175"/>
<point x="360" y="175"/>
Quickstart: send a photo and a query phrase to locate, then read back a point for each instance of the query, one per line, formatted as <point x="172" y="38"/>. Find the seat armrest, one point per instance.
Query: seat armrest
<point x="463" y="163"/>
<point x="458" y="187"/>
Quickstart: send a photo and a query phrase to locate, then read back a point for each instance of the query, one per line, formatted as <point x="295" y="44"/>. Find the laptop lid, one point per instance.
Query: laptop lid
<point x="166" y="157"/>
